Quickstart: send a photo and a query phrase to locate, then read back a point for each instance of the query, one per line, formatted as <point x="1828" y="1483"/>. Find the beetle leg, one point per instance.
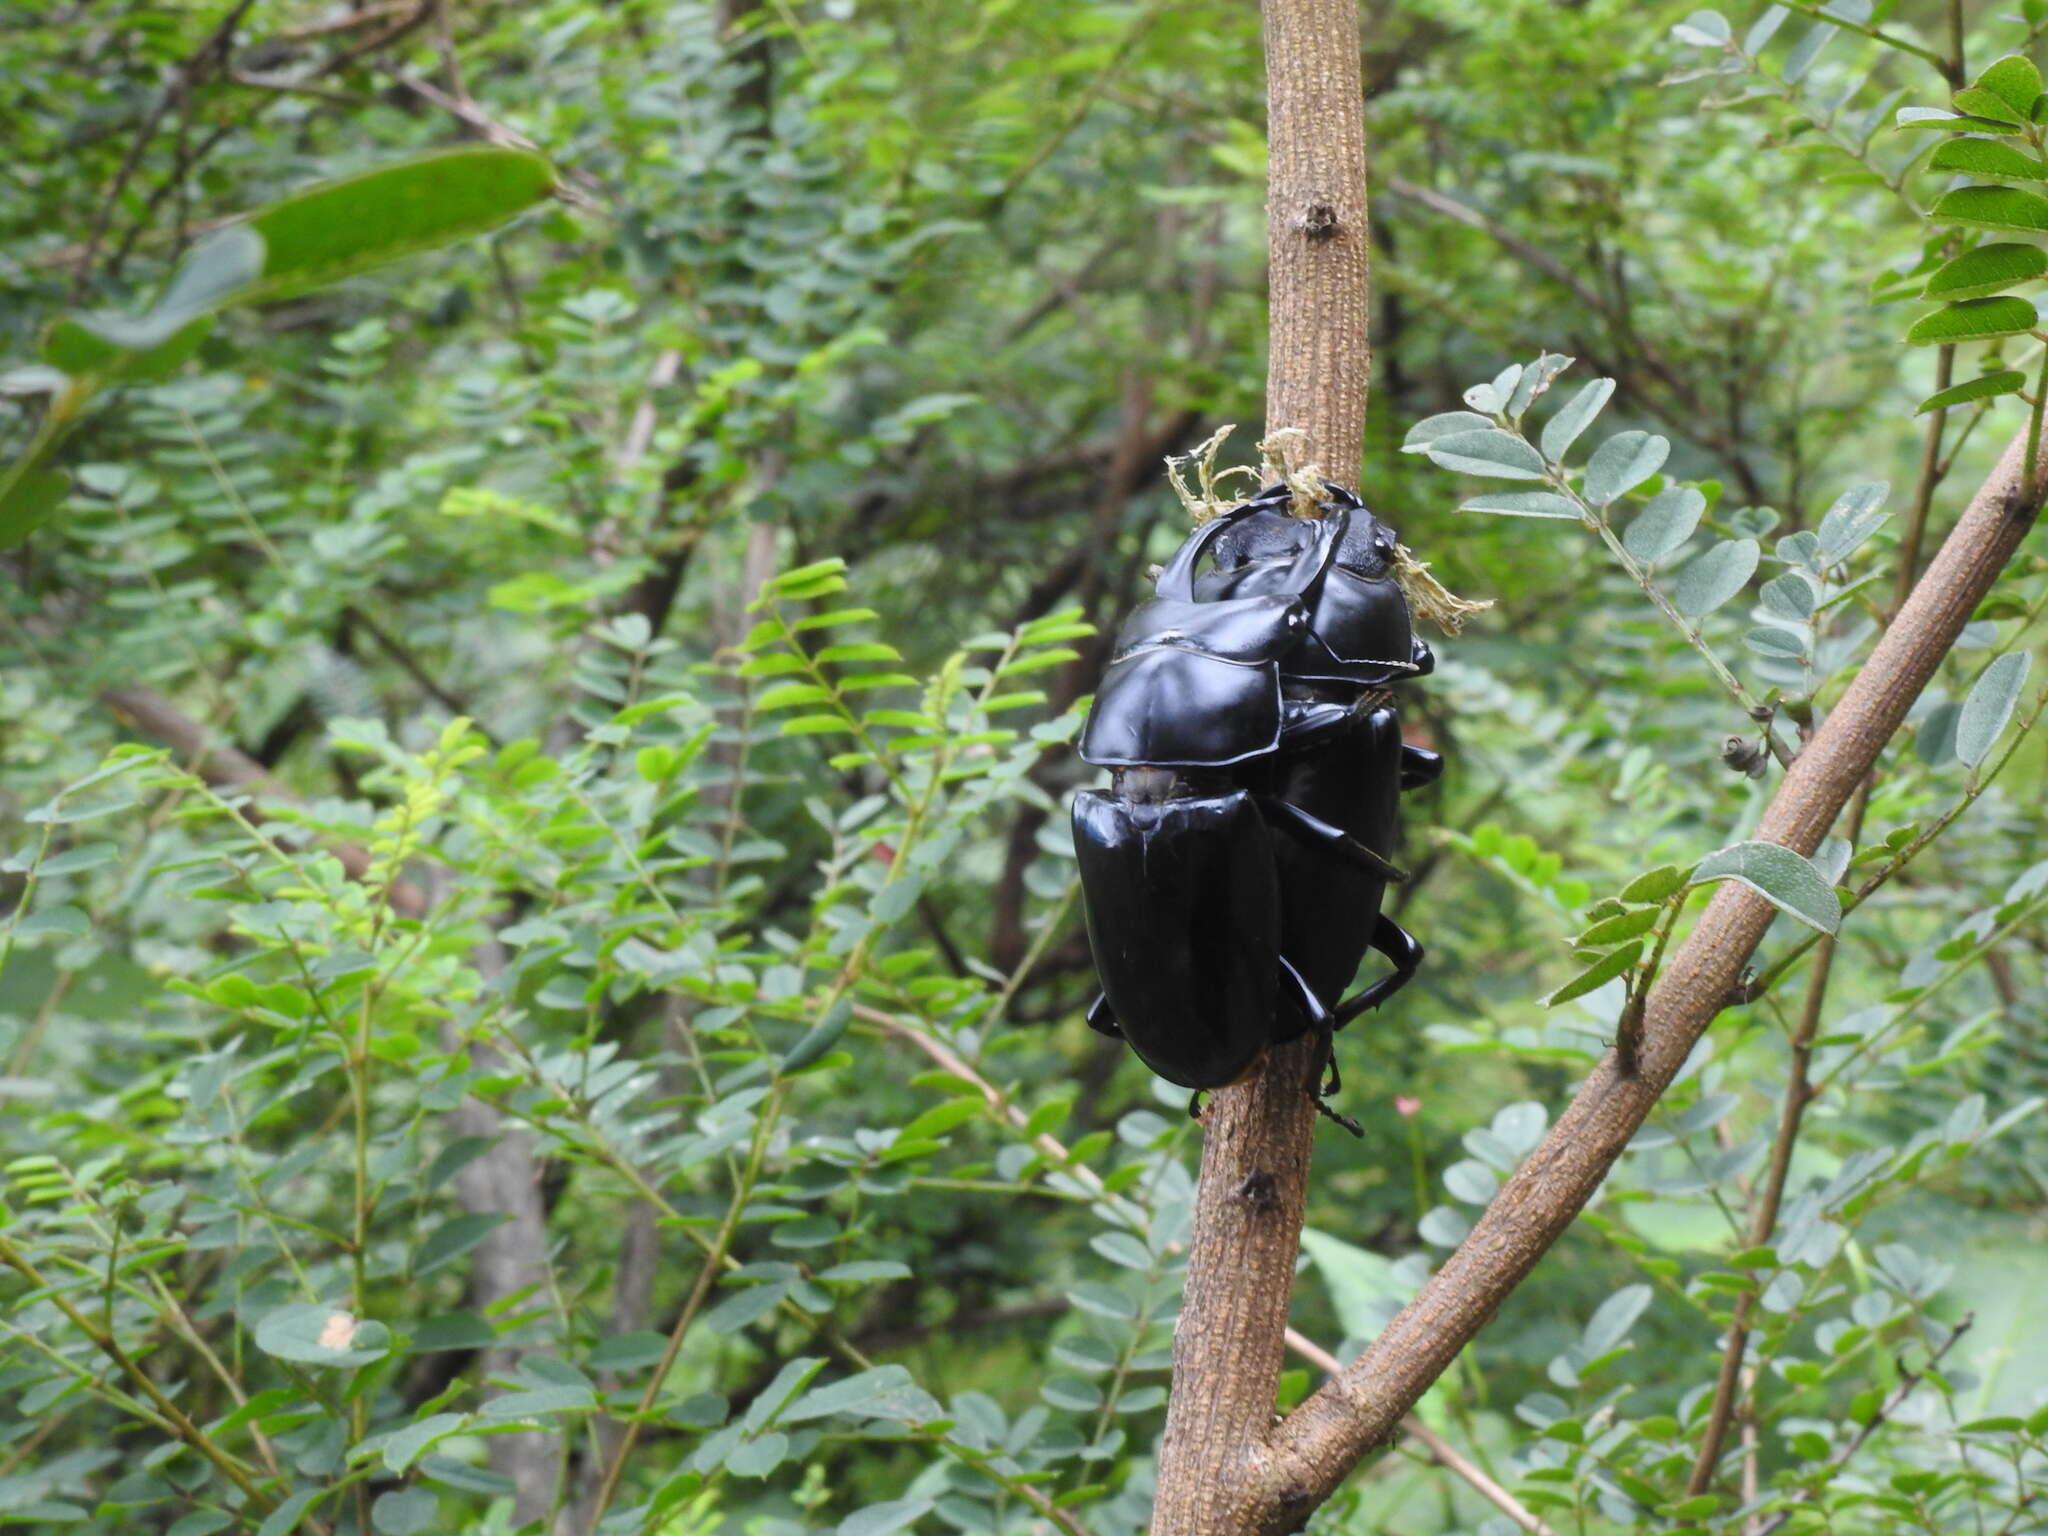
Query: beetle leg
<point x="1101" y="1020"/>
<point x="1336" y="839"/>
<point x="1196" y="1106"/>
<point x="1399" y="946"/>
<point x="1324" y="1025"/>
<point x="1420" y="766"/>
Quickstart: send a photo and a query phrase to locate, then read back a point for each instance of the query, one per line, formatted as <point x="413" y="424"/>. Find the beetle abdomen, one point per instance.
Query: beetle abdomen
<point x="1183" y="915"/>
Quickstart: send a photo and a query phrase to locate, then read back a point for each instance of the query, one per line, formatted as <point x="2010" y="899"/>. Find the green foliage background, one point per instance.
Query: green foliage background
<point x="511" y="1018"/>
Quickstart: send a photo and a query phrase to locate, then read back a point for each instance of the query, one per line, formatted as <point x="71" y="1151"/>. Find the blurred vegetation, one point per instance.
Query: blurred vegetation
<point x="542" y="981"/>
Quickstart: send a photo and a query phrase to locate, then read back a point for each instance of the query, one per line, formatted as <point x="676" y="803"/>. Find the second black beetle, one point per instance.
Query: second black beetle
<point x="1233" y="872"/>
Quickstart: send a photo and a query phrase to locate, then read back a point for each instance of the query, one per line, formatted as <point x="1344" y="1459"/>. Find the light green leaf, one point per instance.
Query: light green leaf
<point x="1787" y="880"/>
<point x="1989" y="706"/>
<point x="1573" y="417"/>
<point x="1611" y="1321"/>
<point x="1665" y="523"/>
<point x="1363" y="1290"/>
<point x="1703" y="29"/>
<point x="1986" y="270"/>
<point x="284" y="1519"/>
<point x="1992" y="208"/>
<point x="2007" y="381"/>
<point x="1993" y="159"/>
<point x="407" y="1445"/>
<point x="2013" y="80"/>
<point x="1430" y="428"/>
<point x="882" y="1519"/>
<point x="1524" y="504"/>
<point x="404" y="1512"/>
<point x="1857" y="514"/>
<point x="1491" y="452"/>
<point x="1714" y="575"/>
<point x="1930" y="117"/>
<point x="1988" y="105"/>
<point x="1621" y="464"/>
<point x="314" y="1334"/>
<point x="340" y="228"/>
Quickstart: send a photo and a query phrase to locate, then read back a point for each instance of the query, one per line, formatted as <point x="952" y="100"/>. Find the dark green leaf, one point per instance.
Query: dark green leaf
<point x="1992" y="208"/>
<point x="2015" y="81"/>
<point x="27" y="502"/>
<point x="1974" y="320"/>
<point x="405" y="1512"/>
<point x="1993" y="159"/>
<point x="820" y="1038"/>
<point x="1655" y="886"/>
<point x="1988" y="105"/>
<point x="1597" y="974"/>
<point x="340" y="228"/>
<point x="1987" y="270"/>
<point x="2007" y="381"/>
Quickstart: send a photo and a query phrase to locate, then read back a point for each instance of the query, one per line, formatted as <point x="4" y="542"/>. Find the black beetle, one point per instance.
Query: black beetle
<point x="1232" y="874"/>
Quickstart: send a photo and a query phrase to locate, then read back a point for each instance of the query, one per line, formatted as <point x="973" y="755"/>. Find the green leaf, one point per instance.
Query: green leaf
<point x="340" y="228"/>
<point x="407" y="1445"/>
<point x="540" y="1400"/>
<point x="1847" y="525"/>
<point x="1597" y="974"/>
<point x="1930" y="117"/>
<point x="2013" y="80"/>
<point x="1993" y="159"/>
<point x="1668" y="519"/>
<point x="1987" y="105"/>
<point x="1986" y="270"/>
<point x="1625" y="925"/>
<point x="1621" y="464"/>
<point x="1491" y="452"/>
<point x="1573" y="417"/>
<point x="851" y="1395"/>
<point x="284" y="1519"/>
<point x="1524" y="504"/>
<point x="1656" y="886"/>
<point x="455" y="1237"/>
<point x="1992" y="208"/>
<point x="2007" y="381"/>
<point x="1787" y="880"/>
<point x="404" y="1512"/>
<point x="1362" y="1287"/>
<point x="882" y="1519"/>
<point x="314" y="1334"/>
<point x="27" y="502"/>
<point x="1974" y="320"/>
<point x="1443" y="424"/>
<point x="1611" y="1321"/>
<point x="1989" y="707"/>
<point x="1715" y="575"/>
<point x="820" y="1038"/>
<point x="757" y="1458"/>
<point x="1703" y="29"/>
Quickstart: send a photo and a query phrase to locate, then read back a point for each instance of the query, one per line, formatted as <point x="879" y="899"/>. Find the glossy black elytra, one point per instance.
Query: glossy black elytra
<point x="1232" y="874"/>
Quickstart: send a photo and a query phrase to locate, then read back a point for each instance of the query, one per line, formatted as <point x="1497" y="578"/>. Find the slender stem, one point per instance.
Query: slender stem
<point x="1876" y="34"/>
<point x="1763" y="1216"/>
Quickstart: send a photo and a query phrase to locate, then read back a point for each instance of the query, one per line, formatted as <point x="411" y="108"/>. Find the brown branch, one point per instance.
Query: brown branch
<point x="1282" y="1475"/>
<point x="1228" y="1349"/>
<point x="227" y="767"/>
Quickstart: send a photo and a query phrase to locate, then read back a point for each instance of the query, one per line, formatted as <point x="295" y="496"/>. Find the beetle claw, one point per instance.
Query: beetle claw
<point x="1196" y="1106"/>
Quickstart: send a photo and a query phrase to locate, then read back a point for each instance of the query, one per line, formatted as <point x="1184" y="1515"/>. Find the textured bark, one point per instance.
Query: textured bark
<point x="1230" y="1343"/>
<point x="1317" y="356"/>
